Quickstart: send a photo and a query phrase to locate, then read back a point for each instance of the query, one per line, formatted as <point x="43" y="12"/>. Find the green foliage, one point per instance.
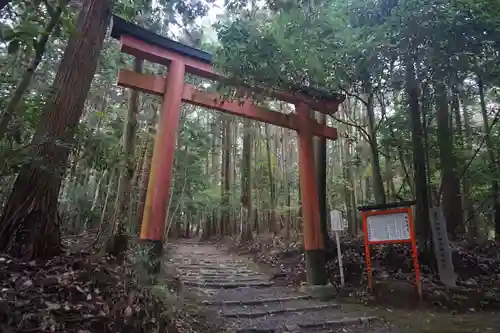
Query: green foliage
<point x="96" y="152"/>
<point x="355" y="45"/>
<point x="348" y="46"/>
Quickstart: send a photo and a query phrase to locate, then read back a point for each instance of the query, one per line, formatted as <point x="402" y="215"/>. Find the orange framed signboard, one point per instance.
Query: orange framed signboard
<point x="389" y="224"/>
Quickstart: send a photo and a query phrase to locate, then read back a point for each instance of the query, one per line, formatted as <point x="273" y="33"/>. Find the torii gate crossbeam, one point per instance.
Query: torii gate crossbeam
<point x="182" y="59"/>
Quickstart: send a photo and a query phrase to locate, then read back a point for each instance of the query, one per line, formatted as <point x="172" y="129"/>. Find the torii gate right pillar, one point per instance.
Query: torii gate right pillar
<point x="313" y="237"/>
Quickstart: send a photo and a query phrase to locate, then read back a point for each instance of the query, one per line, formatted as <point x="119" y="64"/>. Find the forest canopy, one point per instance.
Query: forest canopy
<point x="419" y="120"/>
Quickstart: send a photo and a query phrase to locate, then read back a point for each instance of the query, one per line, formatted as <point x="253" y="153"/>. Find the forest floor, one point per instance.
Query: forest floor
<point x="243" y="287"/>
<point x="82" y="292"/>
<point x="471" y="307"/>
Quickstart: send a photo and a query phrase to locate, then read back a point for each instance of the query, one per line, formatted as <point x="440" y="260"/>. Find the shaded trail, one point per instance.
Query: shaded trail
<point x="249" y="302"/>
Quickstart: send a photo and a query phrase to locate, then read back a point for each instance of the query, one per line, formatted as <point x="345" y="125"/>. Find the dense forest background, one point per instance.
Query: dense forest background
<point x="420" y="118"/>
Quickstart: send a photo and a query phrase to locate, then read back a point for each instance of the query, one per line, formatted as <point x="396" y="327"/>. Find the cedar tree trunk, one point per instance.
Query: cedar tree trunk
<point x="30" y="223"/>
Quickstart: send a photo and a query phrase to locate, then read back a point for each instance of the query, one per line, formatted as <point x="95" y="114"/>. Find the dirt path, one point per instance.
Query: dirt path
<point x="249" y="302"/>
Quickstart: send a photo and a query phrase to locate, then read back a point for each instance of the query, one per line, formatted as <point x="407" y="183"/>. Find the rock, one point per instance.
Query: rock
<point x="326" y="292"/>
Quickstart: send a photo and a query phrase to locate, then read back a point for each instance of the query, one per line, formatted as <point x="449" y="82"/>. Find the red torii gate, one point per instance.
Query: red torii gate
<point x="182" y="59"/>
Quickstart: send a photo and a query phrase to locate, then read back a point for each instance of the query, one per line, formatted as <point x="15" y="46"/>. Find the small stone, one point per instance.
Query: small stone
<point x="292" y="328"/>
<point x="26" y="284"/>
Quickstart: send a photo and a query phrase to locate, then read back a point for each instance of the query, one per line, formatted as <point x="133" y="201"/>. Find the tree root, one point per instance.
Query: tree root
<point x="32" y="232"/>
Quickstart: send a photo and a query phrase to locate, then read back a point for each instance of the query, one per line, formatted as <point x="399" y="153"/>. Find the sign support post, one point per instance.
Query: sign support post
<point x="389" y="224"/>
<point x="339" y="252"/>
<point x="337" y="225"/>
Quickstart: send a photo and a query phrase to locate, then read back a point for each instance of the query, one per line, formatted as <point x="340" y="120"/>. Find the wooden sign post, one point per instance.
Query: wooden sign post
<point x="389" y="224"/>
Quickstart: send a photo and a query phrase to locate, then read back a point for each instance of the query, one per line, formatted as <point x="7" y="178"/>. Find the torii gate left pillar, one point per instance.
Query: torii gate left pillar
<point x="181" y="59"/>
<point x="160" y="178"/>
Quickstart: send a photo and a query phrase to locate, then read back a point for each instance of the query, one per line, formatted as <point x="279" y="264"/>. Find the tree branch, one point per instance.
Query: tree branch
<point x="50" y="9"/>
<point x="495" y="120"/>
<point x="355" y="96"/>
<point x="384" y="113"/>
<point x="365" y="134"/>
<point x="4" y="3"/>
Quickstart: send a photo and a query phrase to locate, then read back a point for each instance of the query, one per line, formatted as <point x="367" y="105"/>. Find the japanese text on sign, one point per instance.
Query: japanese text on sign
<point x="388" y="227"/>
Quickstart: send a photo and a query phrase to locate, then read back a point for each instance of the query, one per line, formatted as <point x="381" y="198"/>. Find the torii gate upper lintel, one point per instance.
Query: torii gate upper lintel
<point x="182" y="59"/>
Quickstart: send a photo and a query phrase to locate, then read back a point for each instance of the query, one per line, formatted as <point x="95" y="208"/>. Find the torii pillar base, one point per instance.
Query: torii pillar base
<point x="153" y="252"/>
<point x="316" y="267"/>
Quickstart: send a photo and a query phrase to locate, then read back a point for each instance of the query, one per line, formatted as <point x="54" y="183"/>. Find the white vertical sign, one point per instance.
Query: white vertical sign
<point x="337" y="225"/>
<point x="336" y="220"/>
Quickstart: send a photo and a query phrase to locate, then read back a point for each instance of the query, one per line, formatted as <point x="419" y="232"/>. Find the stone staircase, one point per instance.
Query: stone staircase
<point x="249" y="302"/>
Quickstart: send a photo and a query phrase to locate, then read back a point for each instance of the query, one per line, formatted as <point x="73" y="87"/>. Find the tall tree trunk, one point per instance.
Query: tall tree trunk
<point x="451" y="198"/>
<point x="256" y="180"/>
<point x="377" y="181"/>
<point x="472" y="221"/>
<point x="272" y="185"/>
<point x="401" y="157"/>
<point x="422" y="211"/>
<point x="495" y="195"/>
<point x="215" y="165"/>
<point x="247" y="181"/>
<point x="461" y="229"/>
<point x="118" y="242"/>
<point x="78" y="221"/>
<point x="106" y="203"/>
<point x="146" y="168"/>
<point x="427" y="105"/>
<point x="226" y="175"/>
<point x="347" y="171"/>
<point x="320" y="159"/>
<point x="30" y="223"/>
<point x="286" y="183"/>
<point x="22" y="87"/>
<point x="390" y="188"/>
<point x="97" y="195"/>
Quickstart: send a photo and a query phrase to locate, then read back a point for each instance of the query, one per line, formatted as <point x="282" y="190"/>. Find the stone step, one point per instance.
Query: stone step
<point x="374" y="326"/>
<point x="204" y="259"/>
<point x="249" y="293"/>
<point x="208" y="263"/>
<point x="227" y="285"/>
<point x="256" y="301"/>
<point x="221" y="276"/>
<point x="307" y="319"/>
<point x="348" y="324"/>
<point x="256" y="330"/>
<point x="221" y="281"/>
<point x="210" y="266"/>
<point x="266" y="309"/>
<point x="223" y="272"/>
<point x="213" y="268"/>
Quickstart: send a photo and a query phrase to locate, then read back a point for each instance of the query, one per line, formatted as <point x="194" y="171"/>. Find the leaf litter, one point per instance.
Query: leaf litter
<point x="82" y="293"/>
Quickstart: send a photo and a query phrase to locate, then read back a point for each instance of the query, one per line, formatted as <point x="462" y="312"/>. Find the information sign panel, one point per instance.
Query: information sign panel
<point x="386" y="224"/>
<point x="388" y="227"/>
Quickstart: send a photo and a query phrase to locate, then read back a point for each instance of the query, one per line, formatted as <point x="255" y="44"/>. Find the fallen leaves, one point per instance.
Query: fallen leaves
<point x="75" y="293"/>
